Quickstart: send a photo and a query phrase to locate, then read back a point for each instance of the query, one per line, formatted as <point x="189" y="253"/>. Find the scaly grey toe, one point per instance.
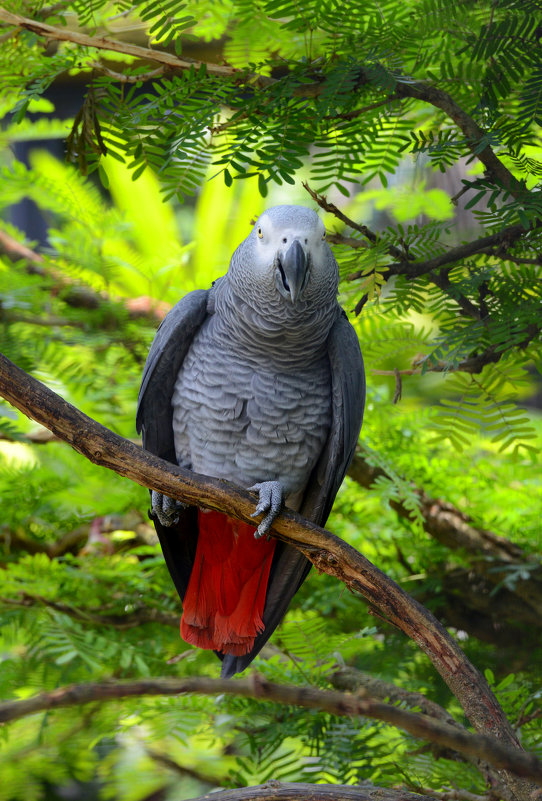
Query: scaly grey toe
<point x="166" y="509"/>
<point x="270" y="502"/>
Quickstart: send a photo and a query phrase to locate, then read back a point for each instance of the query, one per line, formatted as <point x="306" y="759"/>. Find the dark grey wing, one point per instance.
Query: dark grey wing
<point x="290" y="567"/>
<point x="348" y="403"/>
<point x="155" y="421"/>
<point x="154" y="418"/>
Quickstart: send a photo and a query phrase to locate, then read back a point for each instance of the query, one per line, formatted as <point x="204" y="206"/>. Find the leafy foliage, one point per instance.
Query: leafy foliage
<point x="341" y="95"/>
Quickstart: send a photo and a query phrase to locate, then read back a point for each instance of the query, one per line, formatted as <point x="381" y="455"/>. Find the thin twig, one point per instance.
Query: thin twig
<point x="351" y="115"/>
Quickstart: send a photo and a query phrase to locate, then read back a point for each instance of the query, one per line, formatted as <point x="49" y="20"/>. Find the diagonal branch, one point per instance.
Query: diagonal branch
<point x="324" y="204"/>
<point x="482" y="245"/>
<point x="52" y="32"/>
<point x="474" y="134"/>
<point x="490" y="245"/>
<point x="485" y="244"/>
<point x="325" y="551"/>
<point x="256" y="686"/>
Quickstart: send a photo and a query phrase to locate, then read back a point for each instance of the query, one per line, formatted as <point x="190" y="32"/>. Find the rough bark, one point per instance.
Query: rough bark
<point x="287" y="791"/>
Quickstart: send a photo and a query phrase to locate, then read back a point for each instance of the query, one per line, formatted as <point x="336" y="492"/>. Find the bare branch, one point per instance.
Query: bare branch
<point x="286" y="791"/>
<point x="352" y="680"/>
<point x="256" y="686"/>
<point x="121" y="622"/>
<point x="349" y="241"/>
<point x="104" y="43"/>
<point x="181" y="770"/>
<point x="333" y="209"/>
<point x="453" y="795"/>
<point x="357" y="112"/>
<point x="441" y="520"/>
<point x="122" y="77"/>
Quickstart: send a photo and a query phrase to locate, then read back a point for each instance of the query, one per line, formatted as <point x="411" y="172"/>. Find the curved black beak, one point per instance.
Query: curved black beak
<point x="294" y="268"/>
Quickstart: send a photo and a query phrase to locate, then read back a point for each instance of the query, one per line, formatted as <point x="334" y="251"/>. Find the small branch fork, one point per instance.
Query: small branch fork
<point x="489" y="749"/>
<point x="490" y="245"/>
<point x="327" y="552"/>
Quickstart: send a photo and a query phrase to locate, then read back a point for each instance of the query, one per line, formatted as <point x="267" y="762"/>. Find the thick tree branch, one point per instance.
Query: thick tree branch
<point x="279" y="791"/>
<point x="256" y="686"/>
<point x="473" y="133"/>
<point x="486" y="605"/>
<point x="327" y="552"/>
<point x="287" y="791"/>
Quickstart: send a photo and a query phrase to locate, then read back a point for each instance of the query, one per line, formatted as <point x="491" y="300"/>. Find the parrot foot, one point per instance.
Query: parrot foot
<point x="270" y="501"/>
<point x="165" y="509"/>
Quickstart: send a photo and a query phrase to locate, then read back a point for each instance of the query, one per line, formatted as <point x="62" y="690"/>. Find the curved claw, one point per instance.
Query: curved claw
<point x="270" y="501"/>
<point x="166" y="509"/>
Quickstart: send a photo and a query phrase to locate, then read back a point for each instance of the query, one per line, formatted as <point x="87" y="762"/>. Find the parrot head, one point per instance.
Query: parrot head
<point x="288" y="256"/>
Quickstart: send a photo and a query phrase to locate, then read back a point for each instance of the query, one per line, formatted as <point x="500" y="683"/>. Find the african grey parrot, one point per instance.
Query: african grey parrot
<point x="258" y="380"/>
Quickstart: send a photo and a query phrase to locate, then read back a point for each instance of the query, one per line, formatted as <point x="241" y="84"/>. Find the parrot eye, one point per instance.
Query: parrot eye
<point x="260" y="232"/>
<point x="324" y="235"/>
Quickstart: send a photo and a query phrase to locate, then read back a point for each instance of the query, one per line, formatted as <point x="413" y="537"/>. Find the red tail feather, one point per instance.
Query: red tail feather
<point x="225" y="598"/>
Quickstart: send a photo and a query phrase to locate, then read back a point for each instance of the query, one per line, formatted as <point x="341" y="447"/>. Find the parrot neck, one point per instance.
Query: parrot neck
<point x="289" y="335"/>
